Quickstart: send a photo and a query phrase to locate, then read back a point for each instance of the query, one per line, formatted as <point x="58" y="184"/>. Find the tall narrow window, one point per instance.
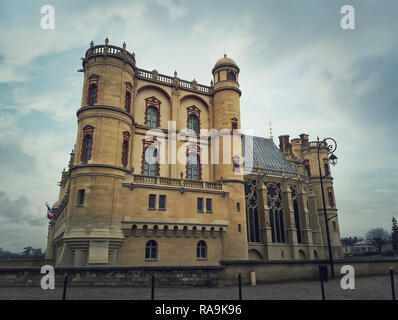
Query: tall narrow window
<point x="334" y="225"/>
<point x="92" y="95"/>
<point x="307" y="167"/>
<point x="201" y="249"/>
<point x="150" y="167"/>
<point x="80" y="197"/>
<point x="152" y="117"/>
<point x="151" y="250"/>
<point x="231" y="76"/>
<point x="193" y="167"/>
<point x="296" y="213"/>
<point x="125" y="153"/>
<point x="87" y="142"/>
<point x="200" y="204"/>
<point x="193" y="123"/>
<point x="162" y="202"/>
<point x="276" y="211"/>
<point x="127" y="102"/>
<point x="252" y="222"/>
<point x="209" y="207"/>
<point x="152" y="202"/>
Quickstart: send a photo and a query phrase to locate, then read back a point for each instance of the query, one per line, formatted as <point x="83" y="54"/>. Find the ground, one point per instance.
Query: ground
<point x="366" y="288"/>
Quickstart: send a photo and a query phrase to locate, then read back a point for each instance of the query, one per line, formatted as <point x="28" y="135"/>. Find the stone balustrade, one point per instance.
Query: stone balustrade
<point x="138" y="179"/>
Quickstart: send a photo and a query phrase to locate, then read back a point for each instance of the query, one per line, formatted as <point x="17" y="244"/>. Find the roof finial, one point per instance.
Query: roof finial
<point x="270" y="130"/>
<point x="225" y="55"/>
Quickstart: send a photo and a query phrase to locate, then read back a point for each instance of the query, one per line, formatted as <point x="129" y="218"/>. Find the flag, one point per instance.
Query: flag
<point x="49" y="212"/>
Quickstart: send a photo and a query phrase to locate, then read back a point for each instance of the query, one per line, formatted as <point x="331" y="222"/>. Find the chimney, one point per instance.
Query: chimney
<point x="284" y="144"/>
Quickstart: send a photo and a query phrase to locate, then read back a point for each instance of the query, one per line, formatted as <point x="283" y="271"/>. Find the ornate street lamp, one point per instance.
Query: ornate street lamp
<point x="331" y="147"/>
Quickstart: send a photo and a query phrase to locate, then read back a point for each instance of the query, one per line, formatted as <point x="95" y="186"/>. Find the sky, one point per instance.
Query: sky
<point x="299" y="69"/>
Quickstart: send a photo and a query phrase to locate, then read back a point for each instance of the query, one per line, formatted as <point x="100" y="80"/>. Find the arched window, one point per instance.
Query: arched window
<point x="252" y="225"/>
<point x="125" y="153"/>
<point x="193" y="123"/>
<point x="193" y="167"/>
<point x="231" y="76"/>
<point x="127" y="101"/>
<point x="87" y="144"/>
<point x="152" y="117"/>
<point x="151" y="250"/>
<point x="92" y="95"/>
<point x="201" y="250"/>
<point x="150" y="167"/>
<point x="276" y="212"/>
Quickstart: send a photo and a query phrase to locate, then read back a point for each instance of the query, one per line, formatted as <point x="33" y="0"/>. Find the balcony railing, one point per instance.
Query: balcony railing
<point x="173" y="81"/>
<point x="137" y="179"/>
<point x="109" y="50"/>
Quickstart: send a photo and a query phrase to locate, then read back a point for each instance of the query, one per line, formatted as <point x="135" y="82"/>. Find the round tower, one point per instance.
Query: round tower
<point x="102" y="156"/>
<point x="227" y="115"/>
<point x="226" y="121"/>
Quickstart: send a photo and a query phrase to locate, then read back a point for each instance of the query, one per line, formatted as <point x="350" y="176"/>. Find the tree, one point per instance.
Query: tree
<point x="379" y="237"/>
<point x="394" y="235"/>
<point x="27" y="251"/>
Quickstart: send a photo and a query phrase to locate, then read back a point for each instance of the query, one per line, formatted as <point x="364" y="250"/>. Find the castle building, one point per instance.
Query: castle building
<point x="152" y="182"/>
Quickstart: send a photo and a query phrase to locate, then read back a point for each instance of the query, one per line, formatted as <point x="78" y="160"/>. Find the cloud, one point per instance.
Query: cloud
<point x="16" y="211"/>
<point x="175" y="9"/>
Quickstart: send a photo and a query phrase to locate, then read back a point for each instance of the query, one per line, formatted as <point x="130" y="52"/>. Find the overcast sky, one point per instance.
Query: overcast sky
<point x="299" y="69"/>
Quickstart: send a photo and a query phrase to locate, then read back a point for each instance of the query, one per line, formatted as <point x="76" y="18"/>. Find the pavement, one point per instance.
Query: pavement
<point x="366" y="288"/>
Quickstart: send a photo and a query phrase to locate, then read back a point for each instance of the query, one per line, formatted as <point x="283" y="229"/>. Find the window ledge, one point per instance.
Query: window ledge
<point x="153" y="209"/>
<point x="151" y="259"/>
<point x="160" y="209"/>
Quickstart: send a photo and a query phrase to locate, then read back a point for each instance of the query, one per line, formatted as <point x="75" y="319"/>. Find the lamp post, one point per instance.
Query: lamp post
<point x="333" y="160"/>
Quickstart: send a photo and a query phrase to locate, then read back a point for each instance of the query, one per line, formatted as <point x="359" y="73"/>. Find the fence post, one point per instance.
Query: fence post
<point x="323" y="276"/>
<point x="65" y="285"/>
<point x="153" y="288"/>
<point x="240" y="286"/>
<point x="392" y="283"/>
<point x="322" y="289"/>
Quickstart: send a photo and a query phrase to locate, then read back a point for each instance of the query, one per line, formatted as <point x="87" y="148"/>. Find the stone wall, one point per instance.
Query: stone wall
<point x="115" y="276"/>
<point x="224" y="275"/>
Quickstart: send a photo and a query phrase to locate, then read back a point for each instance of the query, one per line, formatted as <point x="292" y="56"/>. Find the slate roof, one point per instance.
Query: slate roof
<point x="263" y="150"/>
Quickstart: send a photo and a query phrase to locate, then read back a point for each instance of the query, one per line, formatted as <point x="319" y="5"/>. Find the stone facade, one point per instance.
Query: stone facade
<point x="116" y="208"/>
